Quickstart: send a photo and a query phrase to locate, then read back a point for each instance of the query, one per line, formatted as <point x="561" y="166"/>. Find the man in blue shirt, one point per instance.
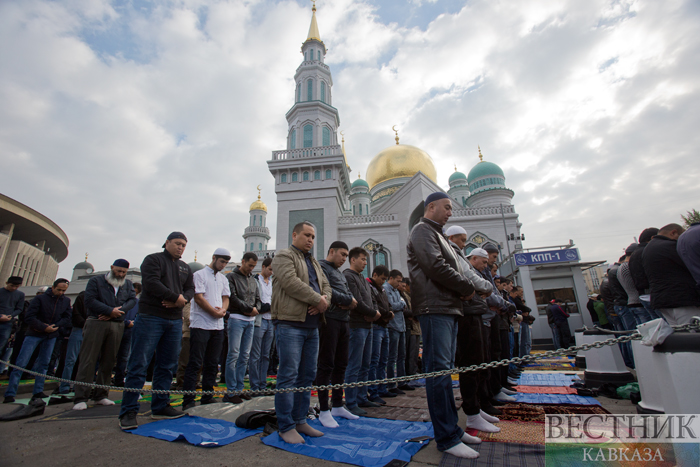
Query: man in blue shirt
<point x="396" y="364"/>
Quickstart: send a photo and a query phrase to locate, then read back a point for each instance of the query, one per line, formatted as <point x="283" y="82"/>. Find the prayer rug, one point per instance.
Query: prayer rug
<point x="205" y="432"/>
<point x="574" y="409"/>
<point x="501" y="455"/>
<point x="365" y="442"/>
<point x="522" y="412"/>
<point x="545" y="390"/>
<point x="549" y="379"/>
<point x="555" y="399"/>
<point x="514" y="432"/>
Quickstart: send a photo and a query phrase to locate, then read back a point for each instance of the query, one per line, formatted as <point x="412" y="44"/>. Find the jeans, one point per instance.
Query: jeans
<point x="555" y="336"/>
<point x="122" y="357"/>
<point x="74" y="343"/>
<point x="30" y="343"/>
<point x="397" y="355"/>
<point x="652" y="312"/>
<point x="334" y="336"/>
<point x="260" y="355"/>
<point x="626" y="322"/>
<point x="641" y="315"/>
<point x="240" y="340"/>
<point x="525" y="340"/>
<point x="359" y="358"/>
<point x="152" y="335"/>
<point x="205" y="348"/>
<point x="5" y="333"/>
<point x="380" y="356"/>
<point x="439" y="346"/>
<point x="298" y="353"/>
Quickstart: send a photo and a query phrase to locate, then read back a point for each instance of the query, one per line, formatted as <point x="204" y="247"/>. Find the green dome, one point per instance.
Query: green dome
<point x="84" y="265"/>
<point x="484" y="169"/>
<point x="195" y="266"/>
<point x="359" y="182"/>
<point x="457" y="176"/>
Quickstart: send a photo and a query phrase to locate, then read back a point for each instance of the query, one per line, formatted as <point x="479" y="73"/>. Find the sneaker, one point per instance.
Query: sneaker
<point x="397" y="391"/>
<point x="168" y="413"/>
<point x="357" y="411"/>
<point x="232" y="399"/>
<point x="188" y="406"/>
<point x="378" y="400"/>
<point x="104" y="401"/>
<point x="8" y="400"/>
<point x="368" y="404"/>
<point x="128" y="421"/>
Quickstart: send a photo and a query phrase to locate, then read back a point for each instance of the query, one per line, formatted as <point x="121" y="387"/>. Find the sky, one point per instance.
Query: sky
<point x="125" y="120"/>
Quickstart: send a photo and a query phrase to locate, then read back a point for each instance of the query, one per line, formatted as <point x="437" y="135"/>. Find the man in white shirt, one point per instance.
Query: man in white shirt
<point x="211" y="297"/>
<point x="262" y="336"/>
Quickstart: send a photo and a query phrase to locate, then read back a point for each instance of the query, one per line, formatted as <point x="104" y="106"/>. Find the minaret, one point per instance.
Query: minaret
<point x="459" y="187"/>
<point x="312" y="180"/>
<point x="359" y="197"/>
<point x="257" y="234"/>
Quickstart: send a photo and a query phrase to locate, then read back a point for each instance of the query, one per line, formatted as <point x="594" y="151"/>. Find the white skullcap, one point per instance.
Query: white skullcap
<point x="222" y="252"/>
<point x="479" y="252"/>
<point x="455" y="230"/>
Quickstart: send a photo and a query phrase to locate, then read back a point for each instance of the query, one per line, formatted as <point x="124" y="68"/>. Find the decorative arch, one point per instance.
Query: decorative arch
<point x="323" y="91"/>
<point x="305" y="176"/>
<point x="295" y="177"/>
<point x="326" y="133"/>
<point x="310" y="89"/>
<point x="308" y="135"/>
<point x="293" y="139"/>
<point x="317" y="175"/>
<point x="376" y="258"/>
<point x="283" y="178"/>
<point x="329" y="174"/>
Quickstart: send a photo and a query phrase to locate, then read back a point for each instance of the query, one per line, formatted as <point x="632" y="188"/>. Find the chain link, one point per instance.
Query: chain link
<point x="693" y="326"/>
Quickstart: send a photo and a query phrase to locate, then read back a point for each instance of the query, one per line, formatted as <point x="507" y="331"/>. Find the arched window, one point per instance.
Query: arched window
<point x="309" y="89"/>
<point x="469" y="248"/>
<point x="260" y="246"/>
<point x="299" y="92"/>
<point x="329" y="174"/>
<point x="308" y="136"/>
<point x="306" y="176"/>
<point x="317" y="175"/>
<point x="283" y="178"/>
<point x="366" y="209"/>
<point x="353" y="210"/>
<point x="254" y="220"/>
<point x="360" y="209"/>
<point x="319" y="55"/>
<point x="295" y="177"/>
<point x="326" y="136"/>
<point x="379" y="259"/>
<point x="323" y="91"/>
<point x="293" y="139"/>
<point x="252" y="246"/>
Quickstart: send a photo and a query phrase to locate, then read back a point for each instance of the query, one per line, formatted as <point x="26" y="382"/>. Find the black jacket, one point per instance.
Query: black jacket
<point x="164" y="278"/>
<point x="245" y="294"/>
<point x="46" y="309"/>
<point x="641" y="282"/>
<point x="79" y="311"/>
<point x="618" y="292"/>
<point x="520" y="306"/>
<point x="383" y="305"/>
<point x="671" y="284"/>
<point x="341" y="293"/>
<point x="436" y="284"/>
<point x="366" y="304"/>
<point x="608" y="300"/>
<point x="100" y="299"/>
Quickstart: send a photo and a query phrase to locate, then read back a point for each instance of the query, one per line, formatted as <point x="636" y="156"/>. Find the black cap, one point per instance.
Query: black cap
<point x="174" y="235"/>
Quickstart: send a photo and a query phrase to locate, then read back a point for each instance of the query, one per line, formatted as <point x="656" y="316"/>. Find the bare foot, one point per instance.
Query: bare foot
<point x="292" y="437"/>
<point x="308" y="431"/>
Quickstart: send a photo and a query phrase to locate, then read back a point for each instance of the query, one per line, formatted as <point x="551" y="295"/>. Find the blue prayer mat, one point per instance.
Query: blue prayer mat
<point x="547" y="379"/>
<point x="368" y="442"/>
<point x="200" y="431"/>
<point x="530" y="398"/>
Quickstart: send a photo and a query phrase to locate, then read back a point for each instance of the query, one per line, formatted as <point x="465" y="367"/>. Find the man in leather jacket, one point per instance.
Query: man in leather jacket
<point x="438" y="289"/>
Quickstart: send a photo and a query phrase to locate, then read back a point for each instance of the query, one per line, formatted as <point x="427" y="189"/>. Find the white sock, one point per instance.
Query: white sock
<point x="104" y="401"/>
<point x="477" y="422"/>
<point x="342" y="412"/>
<point x="462" y="450"/>
<point x="80" y="406"/>
<point x="488" y="418"/>
<point x="503" y="397"/>
<point x="327" y="419"/>
<point x="469" y="439"/>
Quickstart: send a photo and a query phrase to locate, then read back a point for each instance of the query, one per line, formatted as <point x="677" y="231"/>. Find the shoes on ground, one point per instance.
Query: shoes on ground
<point x="396" y="391"/>
<point x="246" y="397"/>
<point x="387" y="394"/>
<point x="406" y="387"/>
<point x="368" y="403"/>
<point x="232" y="399"/>
<point x="39" y="395"/>
<point x="188" y="406"/>
<point x="168" y="413"/>
<point x="8" y="400"/>
<point x="207" y="401"/>
<point x="378" y="400"/>
<point x="128" y="421"/>
<point x="357" y="411"/>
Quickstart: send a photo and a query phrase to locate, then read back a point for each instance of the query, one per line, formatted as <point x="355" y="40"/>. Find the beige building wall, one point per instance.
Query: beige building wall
<point x="593" y="276"/>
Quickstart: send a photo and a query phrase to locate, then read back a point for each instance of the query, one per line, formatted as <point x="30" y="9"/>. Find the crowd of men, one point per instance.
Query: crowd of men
<point x="329" y="325"/>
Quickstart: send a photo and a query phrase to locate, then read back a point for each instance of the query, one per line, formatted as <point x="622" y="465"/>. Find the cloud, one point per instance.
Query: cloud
<point x="122" y="122"/>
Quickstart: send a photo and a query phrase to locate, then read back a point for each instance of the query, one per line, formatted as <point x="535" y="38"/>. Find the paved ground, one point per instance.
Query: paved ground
<point x="70" y="442"/>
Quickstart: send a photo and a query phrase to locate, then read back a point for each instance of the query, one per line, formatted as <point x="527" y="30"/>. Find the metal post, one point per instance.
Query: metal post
<point x="512" y="266"/>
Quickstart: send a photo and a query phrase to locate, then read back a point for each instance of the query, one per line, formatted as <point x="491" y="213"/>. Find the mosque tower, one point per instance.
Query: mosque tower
<point x="459" y="187"/>
<point x="487" y="185"/>
<point x="359" y="197"/>
<point x="312" y="179"/>
<point x="257" y="234"/>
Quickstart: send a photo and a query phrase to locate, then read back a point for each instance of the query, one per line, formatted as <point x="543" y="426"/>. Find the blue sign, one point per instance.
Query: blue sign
<point x="548" y="256"/>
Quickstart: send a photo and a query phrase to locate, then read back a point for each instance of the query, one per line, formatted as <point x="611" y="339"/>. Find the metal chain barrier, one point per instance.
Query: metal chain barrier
<point x="693" y="326"/>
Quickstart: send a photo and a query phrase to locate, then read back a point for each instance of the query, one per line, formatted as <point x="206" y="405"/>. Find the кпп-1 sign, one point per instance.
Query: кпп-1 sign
<point x="548" y="256"/>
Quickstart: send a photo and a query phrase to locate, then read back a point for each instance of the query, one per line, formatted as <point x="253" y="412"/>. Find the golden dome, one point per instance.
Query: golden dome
<point x="400" y="160"/>
<point x="258" y="205"/>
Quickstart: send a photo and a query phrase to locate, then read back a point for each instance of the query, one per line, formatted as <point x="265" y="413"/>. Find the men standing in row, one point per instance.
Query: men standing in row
<point x="11" y="305"/>
<point x="361" y="318"/>
<point x="46" y="314"/>
<point x="264" y="332"/>
<point x="437" y="292"/>
<point x="334" y="336"/>
<point x="244" y="306"/>
<point x="396" y="365"/>
<point x="299" y="298"/>
<point x="211" y="297"/>
<point x="107" y="299"/>
<point x="167" y="287"/>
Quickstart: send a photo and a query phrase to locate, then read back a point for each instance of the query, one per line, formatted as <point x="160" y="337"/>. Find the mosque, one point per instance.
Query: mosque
<point x="313" y="183"/>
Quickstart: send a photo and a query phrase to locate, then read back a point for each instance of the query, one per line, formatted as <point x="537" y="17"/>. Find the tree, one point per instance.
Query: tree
<point x="692" y="217"/>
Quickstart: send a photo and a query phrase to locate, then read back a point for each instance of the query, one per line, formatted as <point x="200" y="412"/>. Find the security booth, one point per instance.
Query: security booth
<point x="545" y="274"/>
